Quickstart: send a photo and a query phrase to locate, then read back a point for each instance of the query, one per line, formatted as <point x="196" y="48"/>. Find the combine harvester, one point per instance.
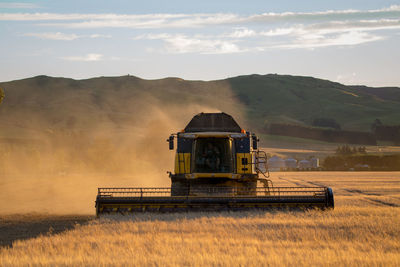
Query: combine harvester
<point x="217" y="167"/>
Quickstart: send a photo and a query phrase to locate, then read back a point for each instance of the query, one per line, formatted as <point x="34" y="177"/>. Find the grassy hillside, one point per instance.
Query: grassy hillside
<point x="43" y="103"/>
<point x="120" y="102"/>
<point x="300" y="100"/>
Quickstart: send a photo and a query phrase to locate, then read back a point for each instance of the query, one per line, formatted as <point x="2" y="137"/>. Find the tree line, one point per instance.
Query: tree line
<point x="327" y="135"/>
<point x="329" y="130"/>
<point x="362" y="162"/>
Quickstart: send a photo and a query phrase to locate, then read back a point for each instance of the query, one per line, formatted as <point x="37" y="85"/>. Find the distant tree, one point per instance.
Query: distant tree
<point x="326" y="122"/>
<point x="343" y="150"/>
<point x="362" y="150"/>
<point x="346" y="150"/>
<point x="1" y="95"/>
<point x="376" y="123"/>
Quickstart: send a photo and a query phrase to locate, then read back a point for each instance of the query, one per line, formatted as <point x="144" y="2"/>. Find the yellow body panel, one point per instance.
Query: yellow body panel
<point x="182" y="163"/>
<point x="240" y="160"/>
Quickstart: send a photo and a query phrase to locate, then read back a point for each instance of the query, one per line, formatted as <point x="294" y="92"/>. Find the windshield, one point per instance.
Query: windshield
<point x="213" y="155"/>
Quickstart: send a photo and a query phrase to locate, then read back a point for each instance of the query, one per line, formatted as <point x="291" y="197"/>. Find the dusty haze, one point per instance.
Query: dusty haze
<point x="57" y="169"/>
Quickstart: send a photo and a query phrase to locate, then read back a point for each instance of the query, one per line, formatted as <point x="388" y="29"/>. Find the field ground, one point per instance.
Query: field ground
<point x="363" y="230"/>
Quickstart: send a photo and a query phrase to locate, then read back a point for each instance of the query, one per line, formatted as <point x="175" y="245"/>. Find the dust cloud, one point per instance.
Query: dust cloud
<point x="60" y="173"/>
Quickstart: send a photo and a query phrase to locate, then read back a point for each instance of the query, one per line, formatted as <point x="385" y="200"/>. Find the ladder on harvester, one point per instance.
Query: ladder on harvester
<point x="261" y="166"/>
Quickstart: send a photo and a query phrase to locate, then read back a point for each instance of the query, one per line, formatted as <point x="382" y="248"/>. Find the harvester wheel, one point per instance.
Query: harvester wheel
<point x="330" y="204"/>
<point x="248" y="188"/>
<point x="179" y="188"/>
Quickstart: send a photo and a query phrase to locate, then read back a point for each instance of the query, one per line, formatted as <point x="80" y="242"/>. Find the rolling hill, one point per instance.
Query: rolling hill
<point x="39" y="104"/>
<point x="300" y="100"/>
<point x="44" y="104"/>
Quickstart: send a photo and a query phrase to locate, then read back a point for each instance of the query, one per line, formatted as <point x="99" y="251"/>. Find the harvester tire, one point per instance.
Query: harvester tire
<point x="179" y="189"/>
<point x="247" y="188"/>
<point x="330" y="204"/>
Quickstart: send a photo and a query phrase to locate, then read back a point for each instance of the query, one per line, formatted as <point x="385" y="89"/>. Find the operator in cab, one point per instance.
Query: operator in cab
<point x="212" y="157"/>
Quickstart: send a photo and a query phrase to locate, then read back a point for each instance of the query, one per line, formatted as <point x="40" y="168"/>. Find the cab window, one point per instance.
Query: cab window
<point x="213" y="155"/>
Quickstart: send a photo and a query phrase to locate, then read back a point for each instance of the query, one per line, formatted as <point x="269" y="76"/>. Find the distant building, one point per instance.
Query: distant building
<point x="315" y="163"/>
<point x="290" y="163"/>
<point x="362" y="167"/>
<point x="304" y="164"/>
<point x="275" y="163"/>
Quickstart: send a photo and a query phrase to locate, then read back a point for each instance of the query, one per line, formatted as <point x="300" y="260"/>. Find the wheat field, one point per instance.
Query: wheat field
<point x="363" y="230"/>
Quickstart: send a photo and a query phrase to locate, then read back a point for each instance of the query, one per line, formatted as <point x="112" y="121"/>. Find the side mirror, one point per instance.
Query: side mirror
<point x="254" y="141"/>
<point x="170" y="140"/>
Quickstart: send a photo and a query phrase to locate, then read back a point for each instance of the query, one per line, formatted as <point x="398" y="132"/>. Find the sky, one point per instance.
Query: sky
<point x="351" y="42"/>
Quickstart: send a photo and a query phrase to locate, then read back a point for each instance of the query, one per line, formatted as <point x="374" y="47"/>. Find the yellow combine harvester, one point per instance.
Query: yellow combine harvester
<point x="217" y="167"/>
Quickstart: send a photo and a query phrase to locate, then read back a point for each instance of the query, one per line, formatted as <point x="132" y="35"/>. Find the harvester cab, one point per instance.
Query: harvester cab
<point x="218" y="166"/>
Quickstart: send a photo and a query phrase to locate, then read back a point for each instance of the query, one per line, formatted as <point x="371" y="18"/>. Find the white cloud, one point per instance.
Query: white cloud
<point x="64" y="36"/>
<point x="193" y="20"/>
<point x="99" y="36"/>
<point x="54" y="36"/>
<point x="88" y="57"/>
<point x="325" y="15"/>
<point x="335" y="33"/>
<point x="354" y="25"/>
<point x="344" y="39"/>
<point x="332" y="27"/>
<point x="255" y="32"/>
<point x="278" y="32"/>
<point x="18" y="5"/>
<point x="149" y="21"/>
<point x="242" y="33"/>
<point x="151" y="36"/>
<point x="78" y="16"/>
<point x="181" y="44"/>
<point x="296" y="37"/>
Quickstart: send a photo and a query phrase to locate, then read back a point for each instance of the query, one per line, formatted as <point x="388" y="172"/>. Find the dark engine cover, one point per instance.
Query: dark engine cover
<point x="212" y="122"/>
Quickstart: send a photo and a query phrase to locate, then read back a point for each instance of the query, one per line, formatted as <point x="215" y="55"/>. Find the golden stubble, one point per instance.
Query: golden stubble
<point x="362" y="230"/>
<point x="367" y="236"/>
